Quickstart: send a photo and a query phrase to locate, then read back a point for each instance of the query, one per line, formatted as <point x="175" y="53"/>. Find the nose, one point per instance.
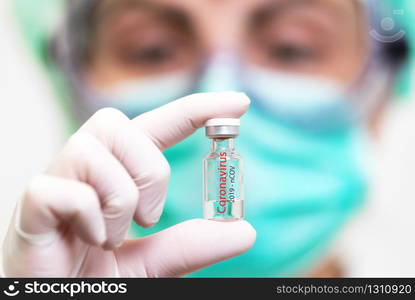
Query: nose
<point x="220" y="74"/>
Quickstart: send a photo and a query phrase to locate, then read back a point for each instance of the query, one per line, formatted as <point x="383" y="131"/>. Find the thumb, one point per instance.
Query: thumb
<point x="185" y="248"/>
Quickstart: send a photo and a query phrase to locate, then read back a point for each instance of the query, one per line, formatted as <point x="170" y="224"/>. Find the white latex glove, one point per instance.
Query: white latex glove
<point x="73" y="219"/>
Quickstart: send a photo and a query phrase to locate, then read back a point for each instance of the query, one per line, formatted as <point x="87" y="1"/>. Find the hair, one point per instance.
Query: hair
<point x="80" y="25"/>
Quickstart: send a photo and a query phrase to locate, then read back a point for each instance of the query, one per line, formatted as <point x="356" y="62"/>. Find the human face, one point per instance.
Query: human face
<point x="137" y="38"/>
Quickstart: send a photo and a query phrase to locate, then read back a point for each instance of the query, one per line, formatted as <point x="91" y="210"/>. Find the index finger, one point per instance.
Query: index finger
<point x="171" y="123"/>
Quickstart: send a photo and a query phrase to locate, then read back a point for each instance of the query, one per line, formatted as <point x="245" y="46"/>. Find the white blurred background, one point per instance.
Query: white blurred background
<point x="30" y="121"/>
<point x="379" y="242"/>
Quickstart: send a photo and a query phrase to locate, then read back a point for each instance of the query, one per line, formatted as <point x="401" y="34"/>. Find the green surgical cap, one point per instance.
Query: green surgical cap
<point x="403" y="13"/>
<point x="37" y="21"/>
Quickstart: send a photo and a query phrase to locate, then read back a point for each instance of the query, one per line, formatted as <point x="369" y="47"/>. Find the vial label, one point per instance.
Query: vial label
<point x="223" y="187"/>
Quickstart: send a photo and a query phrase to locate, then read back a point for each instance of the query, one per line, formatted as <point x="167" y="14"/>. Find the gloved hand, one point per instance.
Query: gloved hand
<point x="73" y="219"/>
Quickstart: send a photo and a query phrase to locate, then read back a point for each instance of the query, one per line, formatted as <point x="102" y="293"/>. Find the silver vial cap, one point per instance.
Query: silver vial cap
<point x="222" y="128"/>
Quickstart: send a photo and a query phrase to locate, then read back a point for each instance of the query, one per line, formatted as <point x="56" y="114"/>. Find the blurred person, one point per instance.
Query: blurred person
<point x="318" y="81"/>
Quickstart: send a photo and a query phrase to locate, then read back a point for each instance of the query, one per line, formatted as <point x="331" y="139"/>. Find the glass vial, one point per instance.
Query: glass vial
<point x="223" y="172"/>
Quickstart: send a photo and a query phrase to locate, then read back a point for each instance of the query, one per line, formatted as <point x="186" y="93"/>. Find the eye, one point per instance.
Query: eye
<point x="145" y="41"/>
<point x="152" y="55"/>
<point x="290" y="53"/>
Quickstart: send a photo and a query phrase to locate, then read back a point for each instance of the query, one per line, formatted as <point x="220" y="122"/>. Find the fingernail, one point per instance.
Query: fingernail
<point x="152" y="222"/>
<point x="244" y="97"/>
<point x="102" y="236"/>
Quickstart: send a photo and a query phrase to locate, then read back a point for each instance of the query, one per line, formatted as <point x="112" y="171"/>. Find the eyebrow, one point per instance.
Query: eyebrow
<point x="261" y="16"/>
<point x="166" y="13"/>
